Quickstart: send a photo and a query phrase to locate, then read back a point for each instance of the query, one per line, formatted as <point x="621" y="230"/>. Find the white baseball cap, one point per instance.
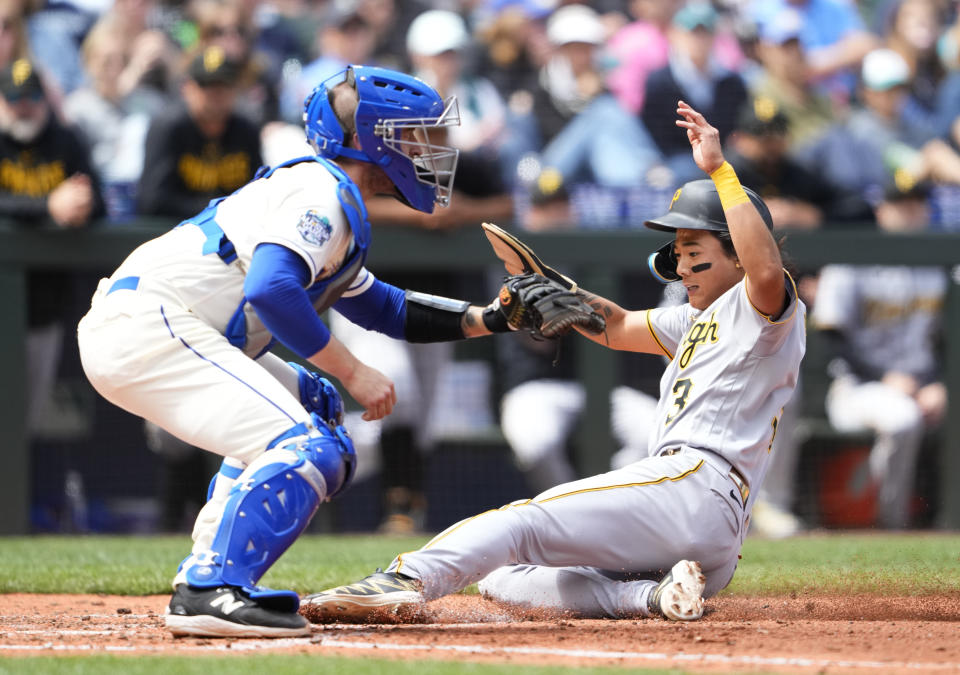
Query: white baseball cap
<point x="436" y="31"/>
<point x="884" y="69"/>
<point x="782" y="27"/>
<point x="574" y="23"/>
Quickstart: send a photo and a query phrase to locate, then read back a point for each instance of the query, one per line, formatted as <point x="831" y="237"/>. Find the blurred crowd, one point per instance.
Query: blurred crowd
<point x="839" y="113"/>
<point x="822" y="102"/>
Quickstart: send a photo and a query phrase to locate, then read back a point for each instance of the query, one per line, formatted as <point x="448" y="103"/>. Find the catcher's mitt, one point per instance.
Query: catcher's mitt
<point x="545" y="307"/>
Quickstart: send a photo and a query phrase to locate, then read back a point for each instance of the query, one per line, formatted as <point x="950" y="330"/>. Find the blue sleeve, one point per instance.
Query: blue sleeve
<point x="274" y="287"/>
<point x="380" y="307"/>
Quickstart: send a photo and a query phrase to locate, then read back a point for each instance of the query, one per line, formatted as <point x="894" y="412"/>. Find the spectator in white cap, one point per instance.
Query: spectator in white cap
<point x="584" y="131"/>
<point x="875" y="142"/>
<point x="436" y="44"/>
<point x="400" y="444"/>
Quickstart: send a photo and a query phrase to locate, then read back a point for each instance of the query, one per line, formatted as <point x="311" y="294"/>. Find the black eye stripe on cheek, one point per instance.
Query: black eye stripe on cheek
<point x="702" y="267"/>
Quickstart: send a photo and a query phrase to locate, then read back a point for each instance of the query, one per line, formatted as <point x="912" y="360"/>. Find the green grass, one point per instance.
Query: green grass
<point x="907" y="564"/>
<point x="288" y="664"/>
<point x="881" y="564"/>
<point x="145" y="565"/>
<point x="902" y="564"/>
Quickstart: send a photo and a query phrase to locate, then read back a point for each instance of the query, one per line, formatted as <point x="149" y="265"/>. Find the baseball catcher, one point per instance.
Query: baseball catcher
<point x="181" y="335"/>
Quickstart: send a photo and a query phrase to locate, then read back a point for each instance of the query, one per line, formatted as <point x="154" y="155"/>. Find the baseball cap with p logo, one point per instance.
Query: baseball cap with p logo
<point x="20" y="81"/>
<point x="213" y="66"/>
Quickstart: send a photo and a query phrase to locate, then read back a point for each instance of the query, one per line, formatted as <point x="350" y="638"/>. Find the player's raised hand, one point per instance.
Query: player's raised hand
<point x="704" y="138"/>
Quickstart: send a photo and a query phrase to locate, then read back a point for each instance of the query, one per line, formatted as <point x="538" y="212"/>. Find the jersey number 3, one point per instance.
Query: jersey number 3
<point x="682" y="389"/>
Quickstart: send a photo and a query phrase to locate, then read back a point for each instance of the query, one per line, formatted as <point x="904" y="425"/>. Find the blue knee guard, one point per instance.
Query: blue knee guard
<point x="270" y="505"/>
<point x="318" y="395"/>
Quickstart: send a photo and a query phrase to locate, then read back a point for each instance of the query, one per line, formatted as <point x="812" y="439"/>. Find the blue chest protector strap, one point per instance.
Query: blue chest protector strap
<point x="323" y="293"/>
<point x="216" y="241"/>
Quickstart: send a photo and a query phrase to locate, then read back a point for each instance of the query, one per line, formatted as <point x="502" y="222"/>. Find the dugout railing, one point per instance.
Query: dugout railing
<point x="598" y="255"/>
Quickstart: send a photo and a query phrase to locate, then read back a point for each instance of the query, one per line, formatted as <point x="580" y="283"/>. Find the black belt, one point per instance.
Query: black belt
<point x="733" y="474"/>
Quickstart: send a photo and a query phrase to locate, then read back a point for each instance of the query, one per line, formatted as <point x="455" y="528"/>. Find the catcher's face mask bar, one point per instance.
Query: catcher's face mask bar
<point x="423" y="141"/>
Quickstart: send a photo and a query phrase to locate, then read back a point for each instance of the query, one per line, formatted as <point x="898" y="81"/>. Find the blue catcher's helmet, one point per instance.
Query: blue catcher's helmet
<point x="396" y="115"/>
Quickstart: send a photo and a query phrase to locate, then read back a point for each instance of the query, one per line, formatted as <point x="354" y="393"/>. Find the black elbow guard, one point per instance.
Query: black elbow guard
<point x="432" y="318"/>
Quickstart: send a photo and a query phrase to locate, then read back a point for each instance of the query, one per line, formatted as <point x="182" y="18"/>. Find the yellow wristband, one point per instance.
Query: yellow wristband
<point x="728" y="186"/>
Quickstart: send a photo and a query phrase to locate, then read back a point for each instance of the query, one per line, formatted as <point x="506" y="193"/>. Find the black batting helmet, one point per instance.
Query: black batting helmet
<point x="695" y="206"/>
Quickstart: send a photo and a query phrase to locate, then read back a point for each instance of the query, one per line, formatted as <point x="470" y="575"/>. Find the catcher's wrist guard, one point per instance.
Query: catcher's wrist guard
<point x="432" y="318"/>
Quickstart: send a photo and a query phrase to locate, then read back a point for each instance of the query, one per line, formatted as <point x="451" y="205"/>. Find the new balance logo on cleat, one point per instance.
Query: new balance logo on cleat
<point x="679" y="595"/>
<point x="225" y="603"/>
<point x="382" y="596"/>
<point x="228" y="612"/>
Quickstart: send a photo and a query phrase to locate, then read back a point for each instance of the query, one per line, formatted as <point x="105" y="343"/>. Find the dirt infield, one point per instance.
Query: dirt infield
<point x="804" y="634"/>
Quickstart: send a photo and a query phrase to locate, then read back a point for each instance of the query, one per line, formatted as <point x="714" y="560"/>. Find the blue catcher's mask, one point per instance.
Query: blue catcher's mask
<point x="395" y="118"/>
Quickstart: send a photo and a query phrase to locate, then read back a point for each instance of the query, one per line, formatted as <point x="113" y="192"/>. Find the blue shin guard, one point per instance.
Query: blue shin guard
<point x="270" y="505"/>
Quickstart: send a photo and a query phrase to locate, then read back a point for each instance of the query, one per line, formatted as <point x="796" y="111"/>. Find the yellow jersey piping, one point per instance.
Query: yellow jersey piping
<point x="796" y="301"/>
<point x="653" y="334"/>
<point x="658" y="481"/>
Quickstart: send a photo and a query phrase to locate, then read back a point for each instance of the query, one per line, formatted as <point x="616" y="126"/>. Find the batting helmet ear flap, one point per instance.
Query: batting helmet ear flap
<point x="663" y="264"/>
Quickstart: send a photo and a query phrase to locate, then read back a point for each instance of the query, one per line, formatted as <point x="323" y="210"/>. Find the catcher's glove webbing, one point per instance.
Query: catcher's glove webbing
<point x="545" y="307"/>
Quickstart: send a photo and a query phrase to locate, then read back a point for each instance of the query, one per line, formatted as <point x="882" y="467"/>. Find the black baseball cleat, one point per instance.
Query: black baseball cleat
<point x="227" y="611"/>
<point x="380" y="596"/>
<point x="679" y="595"/>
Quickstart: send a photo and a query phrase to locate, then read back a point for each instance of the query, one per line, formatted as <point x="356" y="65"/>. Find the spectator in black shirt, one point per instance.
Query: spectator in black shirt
<point x="202" y="150"/>
<point x="796" y="196"/>
<point x="194" y="153"/>
<point x="47" y="176"/>
<point x="47" y="179"/>
<point x="691" y="75"/>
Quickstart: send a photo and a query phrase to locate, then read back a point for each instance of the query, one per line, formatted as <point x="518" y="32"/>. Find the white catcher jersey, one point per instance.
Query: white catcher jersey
<point x="731" y="371"/>
<point x="297" y="207"/>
